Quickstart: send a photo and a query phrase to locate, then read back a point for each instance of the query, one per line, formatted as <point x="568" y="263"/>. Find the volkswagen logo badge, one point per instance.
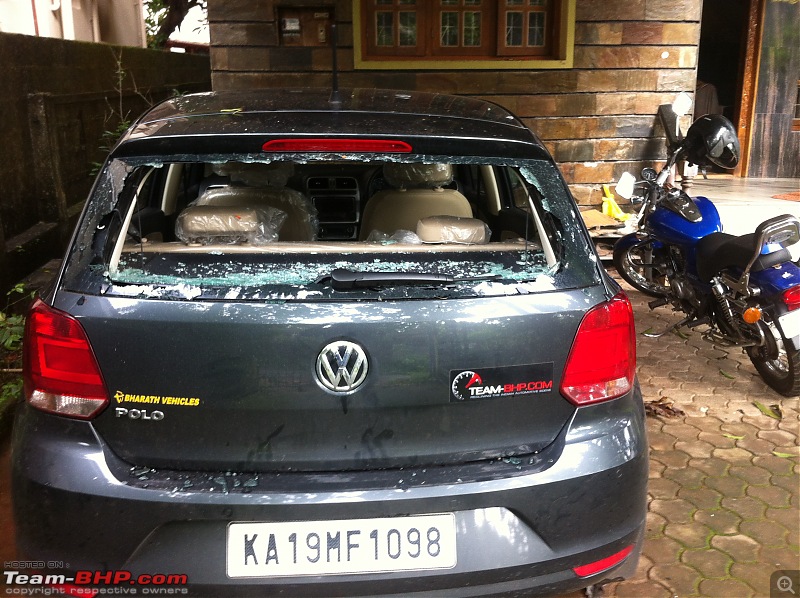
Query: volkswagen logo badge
<point x="342" y="367"/>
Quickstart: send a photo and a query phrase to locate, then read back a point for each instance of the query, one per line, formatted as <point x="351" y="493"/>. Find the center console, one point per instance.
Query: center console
<point x="337" y="200"/>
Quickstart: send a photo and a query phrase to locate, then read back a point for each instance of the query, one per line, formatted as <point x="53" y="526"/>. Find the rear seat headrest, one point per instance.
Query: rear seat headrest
<point x="229" y="224"/>
<point x="452" y="229"/>
<point x="404" y="176"/>
<point x="256" y="174"/>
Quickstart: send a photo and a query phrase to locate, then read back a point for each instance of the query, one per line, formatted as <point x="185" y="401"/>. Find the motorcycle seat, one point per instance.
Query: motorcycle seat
<point x="719" y="251"/>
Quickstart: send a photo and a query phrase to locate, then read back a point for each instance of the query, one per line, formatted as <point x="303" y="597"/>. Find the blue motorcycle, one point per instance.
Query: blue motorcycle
<point x="737" y="290"/>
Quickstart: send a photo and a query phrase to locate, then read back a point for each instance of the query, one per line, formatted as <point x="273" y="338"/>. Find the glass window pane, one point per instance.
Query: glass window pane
<point x="383" y="2"/>
<point x="536" y="29"/>
<point x="537" y="2"/>
<point x="449" y="2"/>
<point x="472" y="2"/>
<point x="384" y="29"/>
<point x="514" y="2"/>
<point x="797" y="107"/>
<point x="449" y="29"/>
<point x="408" y="1"/>
<point x="472" y="28"/>
<point x="408" y="29"/>
<point x="513" y="29"/>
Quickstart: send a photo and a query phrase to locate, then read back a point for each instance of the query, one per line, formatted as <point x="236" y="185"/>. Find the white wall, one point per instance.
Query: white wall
<point x="112" y="21"/>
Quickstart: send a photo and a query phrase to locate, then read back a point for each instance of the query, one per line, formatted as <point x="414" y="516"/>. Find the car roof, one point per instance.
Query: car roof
<point x="242" y="121"/>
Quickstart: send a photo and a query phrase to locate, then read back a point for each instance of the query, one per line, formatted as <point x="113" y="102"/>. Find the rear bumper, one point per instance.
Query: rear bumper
<point x="520" y="526"/>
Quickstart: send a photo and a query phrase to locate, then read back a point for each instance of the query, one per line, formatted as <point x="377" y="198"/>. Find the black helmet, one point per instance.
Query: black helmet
<point x="712" y="140"/>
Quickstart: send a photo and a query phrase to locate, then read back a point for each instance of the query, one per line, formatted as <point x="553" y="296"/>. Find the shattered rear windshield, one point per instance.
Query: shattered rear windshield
<point x="314" y="227"/>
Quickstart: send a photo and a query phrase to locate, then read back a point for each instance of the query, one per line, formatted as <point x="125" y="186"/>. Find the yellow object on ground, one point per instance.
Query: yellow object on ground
<point x="610" y="206"/>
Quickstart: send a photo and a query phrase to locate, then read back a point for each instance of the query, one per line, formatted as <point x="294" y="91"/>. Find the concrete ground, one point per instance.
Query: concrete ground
<point x="724" y="516"/>
<point x="744" y="203"/>
<point x="724" y="511"/>
<point x="724" y="483"/>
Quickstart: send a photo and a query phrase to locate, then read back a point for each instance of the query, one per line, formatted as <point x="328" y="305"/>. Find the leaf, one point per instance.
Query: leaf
<point x="727" y="375"/>
<point x="783" y="455"/>
<point x="646" y="332"/>
<point x="231" y="110"/>
<point x="680" y="334"/>
<point x="773" y="411"/>
<point x="732" y="437"/>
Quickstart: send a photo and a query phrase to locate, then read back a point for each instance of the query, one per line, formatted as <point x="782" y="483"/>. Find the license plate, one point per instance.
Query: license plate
<point x="790" y="323"/>
<point x="339" y="547"/>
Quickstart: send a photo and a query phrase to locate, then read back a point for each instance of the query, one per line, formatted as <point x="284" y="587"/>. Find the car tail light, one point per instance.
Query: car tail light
<point x="337" y="145"/>
<point x="791" y="297"/>
<point x="602" y="362"/>
<point x="603" y="564"/>
<point x="61" y="373"/>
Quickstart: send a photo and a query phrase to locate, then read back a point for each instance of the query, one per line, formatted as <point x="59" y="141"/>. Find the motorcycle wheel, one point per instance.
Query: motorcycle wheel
<point x="636" y="267"/>
<point x="776" y="362"/>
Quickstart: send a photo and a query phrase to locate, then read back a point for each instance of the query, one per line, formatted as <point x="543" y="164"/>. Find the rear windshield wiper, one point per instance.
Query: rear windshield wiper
<point x="346" y="280"/>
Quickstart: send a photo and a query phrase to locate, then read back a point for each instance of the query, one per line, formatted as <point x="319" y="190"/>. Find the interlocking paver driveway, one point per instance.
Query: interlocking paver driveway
<point x="724" y="491"/>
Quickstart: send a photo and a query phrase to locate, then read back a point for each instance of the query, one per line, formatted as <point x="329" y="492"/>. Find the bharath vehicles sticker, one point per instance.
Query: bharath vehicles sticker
<point x="494" y="383"/>
<point x="123" y="397"/>
<point x="147" y="400"/>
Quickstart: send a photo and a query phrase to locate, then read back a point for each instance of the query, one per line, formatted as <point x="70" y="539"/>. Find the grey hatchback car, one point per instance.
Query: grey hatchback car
<point x="308" y="347"/>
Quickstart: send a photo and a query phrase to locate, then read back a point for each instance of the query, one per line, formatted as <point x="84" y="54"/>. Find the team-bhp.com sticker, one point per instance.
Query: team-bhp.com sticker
<point x="503" y="382"/>
<point x="94" y="583"/>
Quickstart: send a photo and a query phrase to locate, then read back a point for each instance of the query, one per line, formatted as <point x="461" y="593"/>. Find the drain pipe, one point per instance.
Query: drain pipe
<point x="95" y="22"/>
<point x="35" y="18"/>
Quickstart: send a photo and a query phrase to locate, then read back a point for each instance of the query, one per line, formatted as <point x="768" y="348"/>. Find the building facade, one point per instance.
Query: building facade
<point x="586" y="75"/>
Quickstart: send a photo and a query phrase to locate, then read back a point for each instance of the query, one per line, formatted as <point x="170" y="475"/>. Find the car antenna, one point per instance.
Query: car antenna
<point x="335" y="101"/>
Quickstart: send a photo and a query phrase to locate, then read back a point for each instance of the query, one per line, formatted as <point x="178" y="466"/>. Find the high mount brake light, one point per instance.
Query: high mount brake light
<point x="791" y="297"/>
<point x="389" y="146"/>
<point x="602" y="362"/>
<point x="61" y="373"/>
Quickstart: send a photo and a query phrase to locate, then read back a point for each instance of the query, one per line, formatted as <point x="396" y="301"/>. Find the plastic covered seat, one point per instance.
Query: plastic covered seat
<point x="418" y="193"/>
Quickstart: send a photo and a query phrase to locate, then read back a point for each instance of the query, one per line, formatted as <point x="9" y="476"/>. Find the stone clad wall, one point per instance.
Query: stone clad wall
<point x="597" y="118"/>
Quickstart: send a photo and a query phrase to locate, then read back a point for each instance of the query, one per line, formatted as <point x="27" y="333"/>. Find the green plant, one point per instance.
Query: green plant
<point x="12" y="325"/>
<point x="108" y="140"/>
<point x="117" y="119"/>
<point x="12" y="328"/>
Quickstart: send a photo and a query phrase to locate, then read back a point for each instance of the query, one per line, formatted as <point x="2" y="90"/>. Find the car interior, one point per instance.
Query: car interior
<point x="326" y="207"/>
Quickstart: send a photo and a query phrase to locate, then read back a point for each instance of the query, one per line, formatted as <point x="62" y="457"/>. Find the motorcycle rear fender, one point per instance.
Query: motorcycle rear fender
<point x="773" y="282"/>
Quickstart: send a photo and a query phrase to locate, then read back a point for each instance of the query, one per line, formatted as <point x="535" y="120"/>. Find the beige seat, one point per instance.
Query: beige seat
<point x="452" y="229"/>
<point x="229" y="224"/>
<point x="300" y="223"/>
<point x="418" y="193"/>
<point x="264" y="185"/>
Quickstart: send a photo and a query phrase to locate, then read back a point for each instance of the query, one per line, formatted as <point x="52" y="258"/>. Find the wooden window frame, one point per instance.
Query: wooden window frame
<point x="395" y="9"/>
<point x="428" y="54"/>
<point x="796" y="119"/>
<point x="435" y="12"/>
<point x="526" y="10"/>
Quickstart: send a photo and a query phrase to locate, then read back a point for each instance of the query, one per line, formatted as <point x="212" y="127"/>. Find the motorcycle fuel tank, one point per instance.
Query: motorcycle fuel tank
<point x="672" y="228"/>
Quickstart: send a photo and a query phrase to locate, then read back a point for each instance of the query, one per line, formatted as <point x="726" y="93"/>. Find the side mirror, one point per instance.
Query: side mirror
<point x="682" y="104"/>
<point x="670" y="116"/>
<point x="624" y="188"/>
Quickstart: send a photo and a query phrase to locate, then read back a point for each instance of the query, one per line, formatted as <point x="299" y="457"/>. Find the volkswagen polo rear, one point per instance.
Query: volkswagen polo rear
<point x="362" y="349"/>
